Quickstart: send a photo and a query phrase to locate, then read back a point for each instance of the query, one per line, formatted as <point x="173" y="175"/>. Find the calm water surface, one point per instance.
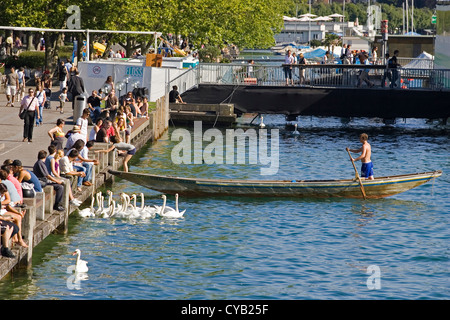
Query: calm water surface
<point x="243" y="248"/>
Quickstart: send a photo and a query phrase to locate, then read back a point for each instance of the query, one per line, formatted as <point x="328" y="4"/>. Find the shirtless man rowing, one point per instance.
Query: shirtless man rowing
<point x="366" y="152"/>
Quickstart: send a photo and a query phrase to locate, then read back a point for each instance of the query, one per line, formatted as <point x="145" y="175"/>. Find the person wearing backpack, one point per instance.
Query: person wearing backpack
<point x="387" y="72"/>
<point x="393" y="65"/>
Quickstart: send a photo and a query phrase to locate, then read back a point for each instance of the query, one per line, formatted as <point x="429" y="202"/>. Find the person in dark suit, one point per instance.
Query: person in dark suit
<point x="76" y="87"/>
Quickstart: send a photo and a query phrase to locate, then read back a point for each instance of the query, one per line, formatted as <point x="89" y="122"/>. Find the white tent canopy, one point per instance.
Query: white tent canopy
<point x="309" y="15"/>
<point x="335" y="15"/>
<point x="422" y="61"/>
<point x="322" y="19"/>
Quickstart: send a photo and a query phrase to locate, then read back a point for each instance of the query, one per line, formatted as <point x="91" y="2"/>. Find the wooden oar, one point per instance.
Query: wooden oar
<point x="357" y="175"/>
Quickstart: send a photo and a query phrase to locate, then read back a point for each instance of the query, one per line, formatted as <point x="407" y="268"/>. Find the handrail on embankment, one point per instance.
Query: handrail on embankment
<point x="41" y="220"/>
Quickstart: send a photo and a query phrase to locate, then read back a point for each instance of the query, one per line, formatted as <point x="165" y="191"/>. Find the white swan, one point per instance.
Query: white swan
<point x="295" y="130"/>
<point x="176" y="205"/>
<point x="81" y="265"/>
<point x="122" y="210"/>
<point x="110" y="197"/>
<point x="102" y="211"/>
<point x="88" y="212"/>
<point x="100" y="203"/>
<point x="164" y="207"/>
<point x="123" y="205"/>
<point x="133" y="212"/>
<point x="146" y="211"/>
<point x="262" y="125"/>
<point x="168" y="212"/>
<point x="112" y="209"/>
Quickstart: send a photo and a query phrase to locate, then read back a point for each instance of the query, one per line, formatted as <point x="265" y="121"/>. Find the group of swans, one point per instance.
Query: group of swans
<point x="127" y="208"/>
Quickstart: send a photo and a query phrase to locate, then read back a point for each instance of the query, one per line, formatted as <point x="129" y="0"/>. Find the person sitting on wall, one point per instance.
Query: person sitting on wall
<point x="40" y="170"/>
<point x="77" y="176"/>
<point x="8" y="230"/>
<point x="14" y="216"/>
<point x="174" y="96"/>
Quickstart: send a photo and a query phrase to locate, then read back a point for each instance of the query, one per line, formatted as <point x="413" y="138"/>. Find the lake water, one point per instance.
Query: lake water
<point x="290" y="249"/>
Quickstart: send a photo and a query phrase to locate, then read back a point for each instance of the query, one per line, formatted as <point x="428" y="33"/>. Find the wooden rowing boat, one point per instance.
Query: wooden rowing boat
<point x="378" y="188"/>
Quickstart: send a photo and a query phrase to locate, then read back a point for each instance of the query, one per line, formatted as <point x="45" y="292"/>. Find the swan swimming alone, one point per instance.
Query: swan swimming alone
<point x="81" y="265"/>
<point x="295" y="130"/>
<point x="168" y="212"/>
<point x="262" y="125"/>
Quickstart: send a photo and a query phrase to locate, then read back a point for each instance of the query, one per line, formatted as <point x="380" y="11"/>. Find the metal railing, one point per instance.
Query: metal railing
<point x="185" y="81"/>
<point x="318" y="75"/>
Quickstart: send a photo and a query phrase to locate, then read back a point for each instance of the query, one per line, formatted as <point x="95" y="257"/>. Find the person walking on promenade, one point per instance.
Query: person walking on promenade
<point x="41" y="98"/>
<point x="57" y="135"/>
<point x="47" y="83"/>
<point x="12" y="86"/>
<point x="288" y="61"/>
<point x="394" y="65"/>
<point x="62" y="100"/>
<point x="302" y="63"/>
<point x="387" y="72"/>
<point x="366" y="152"/>
<point x="62" y="76"/>
<point x="76" y="87"/>
<point x="21" y="91"/>
<point x="364" y="73"/>
<point x="31" y="105"/>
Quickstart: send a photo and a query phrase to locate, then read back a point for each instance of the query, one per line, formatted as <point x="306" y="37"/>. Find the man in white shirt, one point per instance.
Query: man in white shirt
<point x="83" y="123"/>
<point x="67" y="170"/>
<point x="288" y="60"/>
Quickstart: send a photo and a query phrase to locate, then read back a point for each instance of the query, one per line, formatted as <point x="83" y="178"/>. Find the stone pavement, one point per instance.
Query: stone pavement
<point x="11" y="130"/>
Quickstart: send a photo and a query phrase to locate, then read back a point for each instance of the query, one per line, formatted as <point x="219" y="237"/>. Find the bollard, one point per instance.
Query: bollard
<point x="65" y="223"/>
<point x="28" y="224"/>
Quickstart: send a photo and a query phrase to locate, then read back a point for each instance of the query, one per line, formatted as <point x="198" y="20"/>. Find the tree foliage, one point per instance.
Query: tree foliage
<point x="249" y="23"/>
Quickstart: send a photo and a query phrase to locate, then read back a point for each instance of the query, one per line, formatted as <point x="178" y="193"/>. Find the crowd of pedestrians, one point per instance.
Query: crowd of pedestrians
<point x="348" y="57"/>
<point x="67" y="156"/>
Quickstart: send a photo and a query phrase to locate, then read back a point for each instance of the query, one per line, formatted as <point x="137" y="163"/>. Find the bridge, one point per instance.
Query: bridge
<point x="323" y="90"/>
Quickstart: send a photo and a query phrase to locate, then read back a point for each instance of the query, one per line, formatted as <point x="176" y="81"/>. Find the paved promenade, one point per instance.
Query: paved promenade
<point x="11" y="131"/>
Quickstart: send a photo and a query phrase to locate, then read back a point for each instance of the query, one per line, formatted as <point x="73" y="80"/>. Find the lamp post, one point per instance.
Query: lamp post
<point x="105" y="90"/>
<point x="343" y="21"/>
<point x="126" y="80"/>
<point x="119" y="87"/>
<point x="309" y="25"/>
